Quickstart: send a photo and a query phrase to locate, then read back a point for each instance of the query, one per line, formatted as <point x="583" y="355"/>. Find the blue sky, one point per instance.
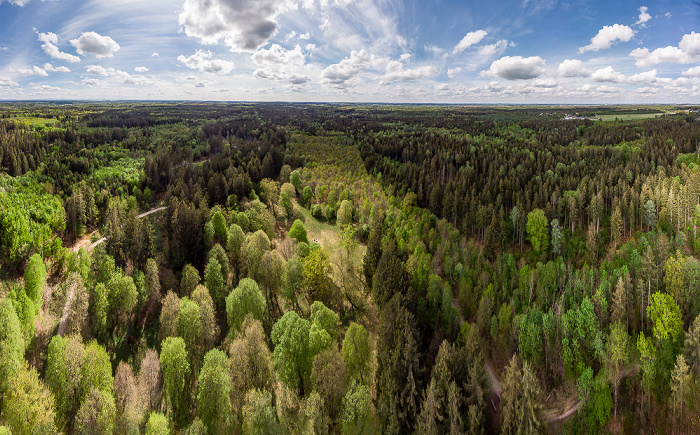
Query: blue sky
<point x="525" y="51"/>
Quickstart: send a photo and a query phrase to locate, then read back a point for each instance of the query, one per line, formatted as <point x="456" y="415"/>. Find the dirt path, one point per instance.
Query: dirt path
<point x="71" y="294"/>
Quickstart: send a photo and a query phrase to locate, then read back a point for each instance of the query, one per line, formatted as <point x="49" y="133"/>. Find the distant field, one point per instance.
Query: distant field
<point x="36" y="122"/>
<point x="629" y="116"/>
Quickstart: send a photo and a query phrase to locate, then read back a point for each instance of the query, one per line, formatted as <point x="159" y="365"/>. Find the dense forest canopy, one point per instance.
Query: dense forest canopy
<point x="335" y="268"/>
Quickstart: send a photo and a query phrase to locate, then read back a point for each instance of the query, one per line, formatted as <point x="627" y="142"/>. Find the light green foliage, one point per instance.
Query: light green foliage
<point x="317" y="277"/>
<point x="26" y="312"/>
<point x="210" y="327"/>
<point x="317" y="211"/>
<point x="213" y="402"/>
<point x="28" y="407"/>
<point x="285" y="203"/>
<point x="100" y="309"/>
<point x="681" y="379"/>
<point x="214" y="281"/>
<point x="344" y="214"/>
<point x="650" y="214"/>
<point x="57" y="379"/>
<point x="259" y="218"/>
<point x="292" y="279"/>
<point x="357" y="417"/>
<point x="169" y="315"/>
<point x="584" y="385"/>
<point x="290" y="337"/>
<point x="35" y="279"/>
<point x="324" y="327"/>
<point x="97" y="413"/>
<point x="218" y="252"/>
<point x="123" y="297"/>
<point x="298" y="232"/>
<point x="95" y="371"/>
<point x="218" y="222"/>
<point x="356" y="352"/>
<point x="196" y="428"/>
<point x="243" y="222"/>
<point x="285" y="173"/>
<point x="537" y="230"/>
<point x="258" y="414"/>
<point x="176" y="372"/>
<point x="157" y="424"/>
<point x="190" y="280"/>
<point x="270" y="192"/>
<point x="295" y="180"/>
<point x="208" y="233"/>
<point x="616" y="355"/>
<point x="665" y="315"/>
<point x="189" y="327"/>
<point x="600" y="405"/>
<point x="254" y="247"/>
<point x="30" y="219"/>
<point x="674" y="278"/>
<point x="243" y="300"/>
<point x="236" y="237"/>
<point x="152" y="282"/>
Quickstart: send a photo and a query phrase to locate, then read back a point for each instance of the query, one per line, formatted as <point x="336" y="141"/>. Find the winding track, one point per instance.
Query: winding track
<point x="71" y="295"/>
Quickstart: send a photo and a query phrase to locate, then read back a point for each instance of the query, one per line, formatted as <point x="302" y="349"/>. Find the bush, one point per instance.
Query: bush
<point x="317" y="211"/>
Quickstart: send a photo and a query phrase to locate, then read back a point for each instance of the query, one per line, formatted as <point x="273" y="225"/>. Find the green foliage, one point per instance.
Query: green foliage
<point x="218" y="222"/>
<point x="95" y="371"/>
<point x="357" y="417"/>
<point x="218" y="252"/>
<point x="356" y="352"/>
<point x="665" y="315"/>
<point x="285" y="203"/>
<point x="157" y="424"/>
<point x="298" y="232"/>
<point x="97" y="413"/>
<point x="258" y="414"/>
<point x="213" y="402"/>
<point x="214" y="281"/>
<point x="190" y="280"/>
<point x="245" y="299"/>
<point x="259" y="218"/>
<point x="28" y="407"/>
<point x="344" y="214"/>
<point x="189" y="327"/>
<point x="176" y="372"/>
<point x="290" y="337"/>
<point x="537" y="231"/>
<point x="35" y="279"/>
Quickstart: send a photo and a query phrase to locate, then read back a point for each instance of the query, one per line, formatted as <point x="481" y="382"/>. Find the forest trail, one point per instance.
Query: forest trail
<point x="71" y="294"/>
<point x="495" y="383"/>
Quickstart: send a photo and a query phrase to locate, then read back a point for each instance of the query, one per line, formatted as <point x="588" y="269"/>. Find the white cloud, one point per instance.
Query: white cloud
<point x="607" y="74"/>
<point x="202" y="61"/>
<point x="692" y="72"/>
<point x="311" y="48"/>
<point x="516" y="68"/>
<point x="469" y="39"/>
<point x="396" y="72"/>
<point x="572" y="68"/>
<point x="643" y="16"/>
<point x="50" y="41"/>
<point x="94" y="43"/>
<point x="46" y="88"/>
<point x="544" y="83"/>
<point x="279" y="64"/>
<point x="97" y="70"/>
<point x="191" y="78"/>
<point x="35" y="70"/>
<point x="607" y="36"/>
<point x="20" y="3"/>
<point x="495" y="49"/>
<point x="49" y="67"/>
<point x="690" y="43"/>
<point x="305" y="36"/>
<point x="437" y="51"/>
<point x="453" y="71"/>
<point x="347" y="69"/>
<point x="666" y="54"/>
<point x="155" y="54"/>
<point x="405" y="56"/>
<point x="244" y="25"/>
<point x="290" y="35"/>
<point x="278" y="55"/>
<point x="4" y="48"/>
<point x="141" y="69"/>
<point x="6" y="82"/>
<point x="91" y="82"/>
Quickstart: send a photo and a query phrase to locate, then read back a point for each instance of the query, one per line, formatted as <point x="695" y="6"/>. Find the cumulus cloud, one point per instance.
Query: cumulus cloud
<point x="516" y="68"/>
<point x="607" y="74"/>
<point x="469" y="39"/>
<point x="244" y="25"/>
<point x="20" y="3"/>
<point x="39" y="71"/>
<point x="688" y="51"/>
<point x="341" y="73"/>
<point x="572" y="68"/>
<point x="35" y="70"/>
<point x="608" y="36"/>
<point x="94" y="43"/>
<point x="97" y="70"/>
<point x="155" y="54"/>
<point x="453" y="71"/>
<point x="692" y="72"/>
<point x="91" y="82"/>
<point x="437" y="51"/>
<point x="6" y="82"/>
<point x="279" y="64"/>
<point x="141" y="69"/>
<point x="643" y="16"/>
<point x="690" y="43"/>
<point x="494" y="49"/>
<point x="545" y="83"/>
<point x="305" y="36"/>
<point x="46" y="88"/>
<point x="202" y="61"/>
<point x="50" y="47"/>
<point x="396" y="72"/>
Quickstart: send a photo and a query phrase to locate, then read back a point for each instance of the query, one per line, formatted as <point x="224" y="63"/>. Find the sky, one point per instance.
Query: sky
<point x="389" y="51"/>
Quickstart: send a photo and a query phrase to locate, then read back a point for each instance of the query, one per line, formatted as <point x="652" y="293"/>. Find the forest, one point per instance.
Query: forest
<point x="216" y="268"/>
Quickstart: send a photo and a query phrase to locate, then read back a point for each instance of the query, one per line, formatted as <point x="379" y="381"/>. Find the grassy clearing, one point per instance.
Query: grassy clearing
<point x="36" y="123"/>
<point x="629" y="116"/>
